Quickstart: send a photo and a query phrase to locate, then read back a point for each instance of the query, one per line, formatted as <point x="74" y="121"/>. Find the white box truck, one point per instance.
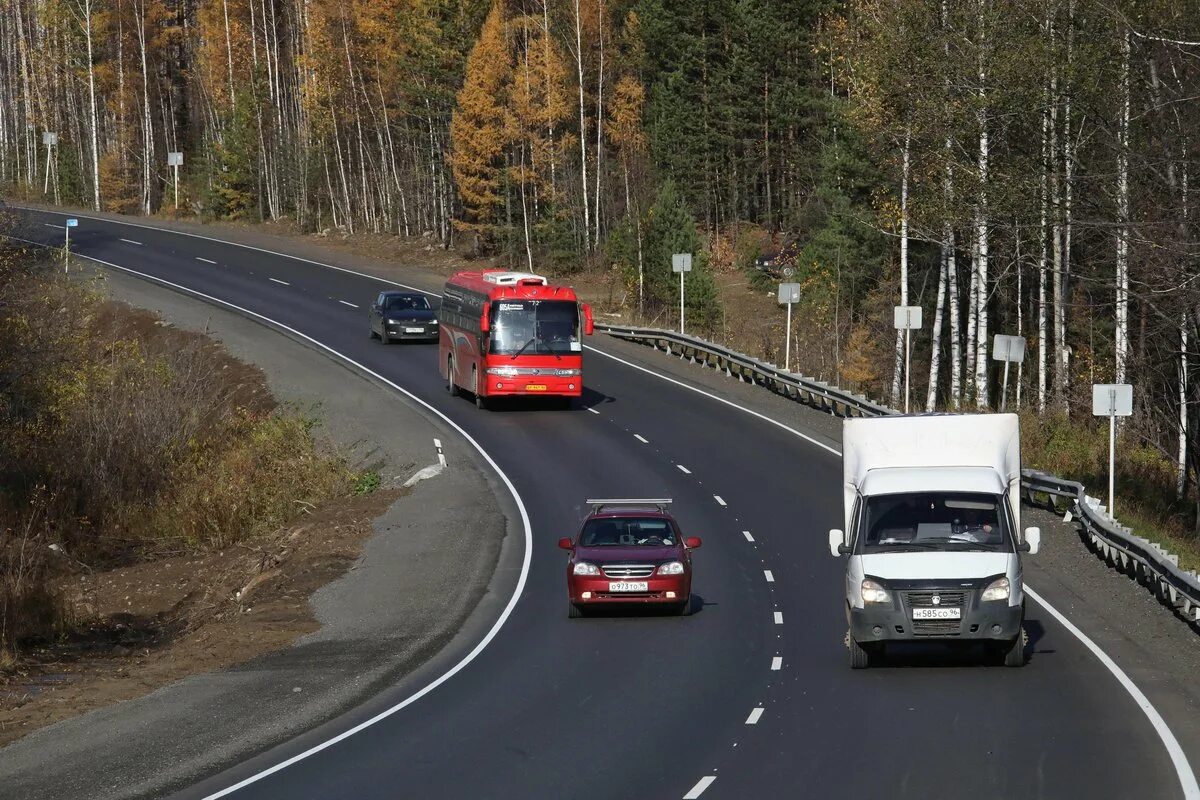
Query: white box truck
<point x="933" y="533"/>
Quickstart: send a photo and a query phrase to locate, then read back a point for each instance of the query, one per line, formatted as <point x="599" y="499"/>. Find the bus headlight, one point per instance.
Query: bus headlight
<point x="997" y="590"/>
<point x="507" y="372"/>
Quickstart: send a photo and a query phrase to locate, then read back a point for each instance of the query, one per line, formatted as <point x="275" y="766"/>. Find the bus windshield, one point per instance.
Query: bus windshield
<point x="547" y="327"/>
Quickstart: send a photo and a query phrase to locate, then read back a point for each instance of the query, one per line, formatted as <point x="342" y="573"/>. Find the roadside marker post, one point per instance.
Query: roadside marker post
<point x="71" y="223"/>
<point x="1112" y="400"/>
<point x="681" y="263"/>
<point x="175" y="161"/>
<point x="1010" y="350"/>
<point x="907" y="318"/>
<point x="50" y="139"/>
<point x="788" y="293"/>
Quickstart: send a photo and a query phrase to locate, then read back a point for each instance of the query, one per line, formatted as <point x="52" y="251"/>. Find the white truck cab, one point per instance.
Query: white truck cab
<point x="933" y="532"/>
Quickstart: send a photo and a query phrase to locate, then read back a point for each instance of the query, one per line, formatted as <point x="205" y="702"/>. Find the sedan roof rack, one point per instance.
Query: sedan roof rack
<point x="658" y="503"/>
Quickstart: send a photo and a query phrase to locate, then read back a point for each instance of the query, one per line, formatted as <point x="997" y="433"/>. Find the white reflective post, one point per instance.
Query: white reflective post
<point x="681" y="263"/>
<point x="1112" y="400"/>
<point x="907" y="318"/>
<point x="49" y="139"/>
<point x="71" y="223"/>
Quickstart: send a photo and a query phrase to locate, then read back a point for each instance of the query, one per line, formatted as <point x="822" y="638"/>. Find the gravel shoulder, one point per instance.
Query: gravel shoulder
<point x="387" y="621"/>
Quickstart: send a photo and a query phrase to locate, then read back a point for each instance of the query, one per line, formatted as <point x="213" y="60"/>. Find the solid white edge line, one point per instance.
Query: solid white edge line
<point x="641" y="438"/>
<point x="748" y="535"/>
<point x="49" y="225"/>
<point x="755" y="716"/>
<point x="1187" y="777"/>
<point x="504" y="615"/>
<point x="698" y="789"/>
<point x="276" y="280"/>
<point x="205" y="260"/>
<point x="684" y="469"/>
<point x="347" y="303"/>
<point x="776" y="663"/>
<point x="131" y="241"/>
<point x="769" y="576"/>
<point x="719" y="499"/>
<point x="778" y="617"/>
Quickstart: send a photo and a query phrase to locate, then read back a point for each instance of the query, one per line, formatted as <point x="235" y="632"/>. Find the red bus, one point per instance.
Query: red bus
<point x="511" y="333"/>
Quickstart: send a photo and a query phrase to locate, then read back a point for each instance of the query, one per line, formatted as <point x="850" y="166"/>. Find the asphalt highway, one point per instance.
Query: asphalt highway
<point x="749" y="697"/>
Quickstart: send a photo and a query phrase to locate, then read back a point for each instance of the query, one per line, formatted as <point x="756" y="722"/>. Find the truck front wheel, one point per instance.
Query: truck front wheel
<point x="860" y="657"/>
<point x="1014" y="652"/>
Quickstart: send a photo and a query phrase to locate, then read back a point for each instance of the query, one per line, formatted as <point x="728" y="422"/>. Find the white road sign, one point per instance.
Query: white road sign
<point x="174" y="159"/>
<point x="789" y="293"/>
<point x="908" y="318"/>
<point x="1008" y="348"/>
<point x="681" y="262"/>
<point x="1112" y="399"/>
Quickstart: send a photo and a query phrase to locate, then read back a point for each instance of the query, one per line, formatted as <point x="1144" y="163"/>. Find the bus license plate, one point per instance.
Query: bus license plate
<point x="628" y="586"/>
<point x="535" y="387"/>
<point x="937" y="613"/>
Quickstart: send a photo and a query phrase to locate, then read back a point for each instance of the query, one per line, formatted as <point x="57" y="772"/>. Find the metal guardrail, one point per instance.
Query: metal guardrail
<point x="1142" y="560"/>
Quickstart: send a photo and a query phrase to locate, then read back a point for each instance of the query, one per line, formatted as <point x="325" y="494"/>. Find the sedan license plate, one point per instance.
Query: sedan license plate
<point x="937" y="613"/>
<point x="628" y="586"/>
<point x="414" y="330"/>
<point x="535" y="387"/>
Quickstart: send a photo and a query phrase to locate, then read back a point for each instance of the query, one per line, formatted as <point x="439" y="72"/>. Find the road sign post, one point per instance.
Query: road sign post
<point x="1010" y="350"/>
<point x="71" y="223"/>
<point x="788" y="293"/>
<point x="1112" y="400"/>
<point x="681" y="263"/>
<point x="175" y="161"/>
<point x="907" y="318"/>
<point x="50" y="139"/>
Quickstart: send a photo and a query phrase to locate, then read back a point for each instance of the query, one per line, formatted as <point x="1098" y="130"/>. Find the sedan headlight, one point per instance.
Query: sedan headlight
<point x="872" y="592"/>
<point x="507" y="372"/>
<point x="584" y="568"/>
<point x="433" y="321"/>
<point x="671" y="568"/>
<point x="998" y="589"/>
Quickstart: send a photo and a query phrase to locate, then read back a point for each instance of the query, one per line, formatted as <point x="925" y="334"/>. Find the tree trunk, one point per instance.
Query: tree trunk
<point x="599" y="122"/>
<point x="935" y="354"/>
<point x="87" y="13"/>
<point x="1121" y="344"/>
<point x="982" y="399"/>
<point x="897" y="374"/>
<point x="582" y="127"/>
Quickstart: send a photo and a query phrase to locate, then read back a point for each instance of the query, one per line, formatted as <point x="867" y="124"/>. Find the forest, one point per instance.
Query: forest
<point x="1011" y="166"/>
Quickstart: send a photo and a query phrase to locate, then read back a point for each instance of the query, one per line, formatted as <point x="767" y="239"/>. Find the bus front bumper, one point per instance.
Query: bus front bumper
<point x="532" y="386"/>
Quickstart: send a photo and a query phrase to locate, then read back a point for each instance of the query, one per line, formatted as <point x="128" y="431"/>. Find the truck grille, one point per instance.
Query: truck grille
<point x="952" y="599"/>
<point x="623" y="571"/>
<point x="938" y="627"/>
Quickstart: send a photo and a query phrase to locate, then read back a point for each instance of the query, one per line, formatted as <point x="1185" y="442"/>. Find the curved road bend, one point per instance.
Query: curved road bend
<point x="752" y="691"/>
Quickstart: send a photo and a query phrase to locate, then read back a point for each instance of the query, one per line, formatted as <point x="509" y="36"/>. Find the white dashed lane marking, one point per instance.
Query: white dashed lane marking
<point x="754" y="717"/>
<point x="684" y="469"/>
<point x="749" y="537"/>
<point x="699" y="788"/>
<point x="594" y="411"/>
<point x="778" y="617"/>
<point x="641" y="438"/>
<point x="776" y="663"/>
<point x="205" y="260"/>
<point x="343" y="302"/>
<point x="131" y="241"/>
<point x="770" y="577"/>
<point x="276" y="280"/>
<point x="718" y="498"/>
<point x="51" y="225"/>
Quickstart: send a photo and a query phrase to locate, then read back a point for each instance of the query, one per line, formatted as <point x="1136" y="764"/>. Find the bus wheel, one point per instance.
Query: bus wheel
<point x="480" y="400"/>
<point x="450" y="384"/>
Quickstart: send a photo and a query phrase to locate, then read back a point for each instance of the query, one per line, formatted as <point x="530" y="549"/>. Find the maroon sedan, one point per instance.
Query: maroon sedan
<point x="629" y="551"/>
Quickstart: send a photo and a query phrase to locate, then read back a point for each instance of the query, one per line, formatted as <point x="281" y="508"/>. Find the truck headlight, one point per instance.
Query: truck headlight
<point x="671" y="568"/>
<point x="872" y="592"/>
<point x="998" y="589"/>
<point x="584" y="568"/>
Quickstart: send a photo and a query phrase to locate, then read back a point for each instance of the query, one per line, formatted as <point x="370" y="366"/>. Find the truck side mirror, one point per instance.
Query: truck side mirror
<point x="589" y="322"/>
<point x="1033" y="540"/>
<point x="837" y="542"/>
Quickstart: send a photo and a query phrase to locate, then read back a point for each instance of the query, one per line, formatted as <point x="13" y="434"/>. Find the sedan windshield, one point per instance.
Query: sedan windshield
<point x="630" y="532"/>
<point x="535" y="326"/>
<point x="407" y="302"/>
<point x="934" y="521"/>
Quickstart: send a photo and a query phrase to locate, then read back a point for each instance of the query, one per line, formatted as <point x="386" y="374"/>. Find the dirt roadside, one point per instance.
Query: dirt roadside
<point x="378" y="622"/>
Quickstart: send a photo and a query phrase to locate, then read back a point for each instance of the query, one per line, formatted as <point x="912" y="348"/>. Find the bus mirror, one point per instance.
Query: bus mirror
<point x="484" y="323"/>
<point x="588" y="321"/>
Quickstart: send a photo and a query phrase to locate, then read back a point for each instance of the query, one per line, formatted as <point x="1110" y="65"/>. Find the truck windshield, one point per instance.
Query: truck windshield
<point x="546" y="327"/>
<point x="934" y="521"/>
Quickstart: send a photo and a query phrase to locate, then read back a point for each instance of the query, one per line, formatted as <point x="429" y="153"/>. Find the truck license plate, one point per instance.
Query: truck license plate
<point x="628" y="586"/>
<point x="937" y="613"/>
